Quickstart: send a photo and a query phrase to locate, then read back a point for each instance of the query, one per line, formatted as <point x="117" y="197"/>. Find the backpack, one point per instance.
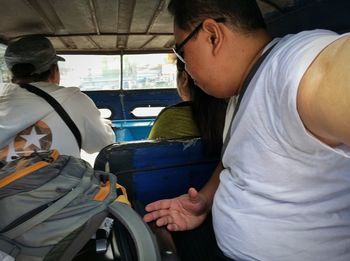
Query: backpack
<point x="51" y="205"/>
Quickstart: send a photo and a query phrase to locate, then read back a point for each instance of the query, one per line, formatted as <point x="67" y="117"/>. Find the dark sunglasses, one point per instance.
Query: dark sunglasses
<point x="178" y="48"/>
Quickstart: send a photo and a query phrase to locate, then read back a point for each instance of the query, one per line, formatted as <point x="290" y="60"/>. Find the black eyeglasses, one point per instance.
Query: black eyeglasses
<point x="178" y="48"/>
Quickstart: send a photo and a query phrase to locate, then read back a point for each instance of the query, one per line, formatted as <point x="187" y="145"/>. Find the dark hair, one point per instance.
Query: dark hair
<point x="209" y="114"/>
<point x="243" y="15"/>
<point x="23" y="72"/>
<point x="180" y="65"/>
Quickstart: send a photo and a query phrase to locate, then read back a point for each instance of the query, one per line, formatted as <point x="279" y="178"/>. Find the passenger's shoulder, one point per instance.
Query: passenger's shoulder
<point x="333" y="54"/>
<point x="182" y="104"/>
<point x="71" y="89"/>
<point x="76" y="92"/>
<point x="175" y="109"/>
<point x="312" y="41"/>
<point x="340" y="46"/>
<point x="323" y="95"/>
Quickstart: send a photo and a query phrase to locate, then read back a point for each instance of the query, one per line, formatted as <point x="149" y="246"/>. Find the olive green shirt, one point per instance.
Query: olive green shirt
<point x="175" y="122"/>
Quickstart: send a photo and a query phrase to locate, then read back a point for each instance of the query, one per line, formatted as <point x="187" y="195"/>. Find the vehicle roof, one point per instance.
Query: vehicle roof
<point x="141" y="26"/>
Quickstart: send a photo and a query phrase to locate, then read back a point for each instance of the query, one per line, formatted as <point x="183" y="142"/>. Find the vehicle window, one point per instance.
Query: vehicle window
<point x="91" y="72"/>
<point x="103" y="72"/>
<point x="149" y="71"/>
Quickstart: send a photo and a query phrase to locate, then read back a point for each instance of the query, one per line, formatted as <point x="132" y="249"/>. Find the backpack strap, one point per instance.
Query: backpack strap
<point x="242" y="92"/>
<point x="145" y="243"/>
<point x="58" y="108"/>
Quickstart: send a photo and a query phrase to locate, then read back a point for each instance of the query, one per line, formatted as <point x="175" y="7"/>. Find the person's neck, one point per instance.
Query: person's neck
<point x="25" y="81"/>
<point x="22" y="81"/>
<point x="254" y="50"/>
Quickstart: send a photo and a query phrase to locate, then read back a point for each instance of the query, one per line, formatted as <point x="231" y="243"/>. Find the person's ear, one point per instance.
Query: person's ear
<point x="182" y="87"/>
<point x="215" y="34"/>
<point x="185" y="78"/>
<point x="54" y="76"/>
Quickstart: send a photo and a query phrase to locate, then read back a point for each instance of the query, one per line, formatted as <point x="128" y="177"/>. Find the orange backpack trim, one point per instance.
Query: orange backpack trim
<point x="105" y="189"/>
<point x="23" y="172"/>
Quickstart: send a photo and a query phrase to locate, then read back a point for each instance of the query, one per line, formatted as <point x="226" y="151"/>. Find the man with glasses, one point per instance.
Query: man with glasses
<point x="282" y="190"/>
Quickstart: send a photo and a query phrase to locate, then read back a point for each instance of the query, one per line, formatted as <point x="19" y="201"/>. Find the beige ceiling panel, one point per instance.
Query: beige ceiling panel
<point x="19" y="18"/>
<point x="76" y="15"/>
<point x="57" y="43"/>
<point x="107" y="15"/>
<point x="106" y="41"/>
<point x="138" y="41"/>
<point x="159" y="42"/>
<point x="125" y="15"/>
<point x="163" y="22"/>
<point x="144" y="13"/>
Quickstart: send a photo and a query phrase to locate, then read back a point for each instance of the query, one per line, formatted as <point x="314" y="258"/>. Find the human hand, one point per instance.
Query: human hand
<point x="107" y="122"/>
<point x="181" y="213"/>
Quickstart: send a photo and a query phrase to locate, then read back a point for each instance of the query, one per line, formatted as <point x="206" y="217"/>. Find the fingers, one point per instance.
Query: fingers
<point x="163" y="221"/>
<point x="193" y="194"/>
<point x="107" y="122"/>
<point x="163" y="218"/>
<point x="173" y="227"/>
<point x="170" y="212"/>
<point x="170" y="223"/>
<point x="197" y="204"/>
<point x="156" y="215"/>
<point x="148" y="217"/>
<point x="157" y="209"/>
<point x="160" y="204"/>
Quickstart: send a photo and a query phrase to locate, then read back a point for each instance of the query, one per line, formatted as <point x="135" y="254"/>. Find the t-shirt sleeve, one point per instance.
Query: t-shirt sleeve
<point x="96" y="132"/>
<point x="292" y="63"/>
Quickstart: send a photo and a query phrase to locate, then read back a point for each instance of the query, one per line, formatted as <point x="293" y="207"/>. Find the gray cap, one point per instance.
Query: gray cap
<point x="35" y="50"/>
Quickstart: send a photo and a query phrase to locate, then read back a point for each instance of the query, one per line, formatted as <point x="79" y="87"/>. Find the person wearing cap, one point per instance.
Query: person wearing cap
<point x="28" y="123"/>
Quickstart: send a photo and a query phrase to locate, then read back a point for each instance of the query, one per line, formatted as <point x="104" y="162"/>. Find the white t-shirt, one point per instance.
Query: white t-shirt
<point x="283" y="195"/>
<point x="28" y="122"/>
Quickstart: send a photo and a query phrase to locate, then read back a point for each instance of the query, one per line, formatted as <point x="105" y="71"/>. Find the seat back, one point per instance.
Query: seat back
<point x="157" y="169"/>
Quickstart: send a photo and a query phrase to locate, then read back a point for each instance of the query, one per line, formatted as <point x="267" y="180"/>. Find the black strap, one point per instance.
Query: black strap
<point x="58" y="108"/>
<point x="243" y="90"/>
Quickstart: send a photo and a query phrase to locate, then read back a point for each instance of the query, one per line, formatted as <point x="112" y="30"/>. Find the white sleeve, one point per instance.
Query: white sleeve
<point x="292" y="64"/>
<point x="95" y="131"/>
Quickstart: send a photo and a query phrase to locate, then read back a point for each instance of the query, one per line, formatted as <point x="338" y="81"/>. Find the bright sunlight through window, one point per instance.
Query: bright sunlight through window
<point x="102" y="72"/>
